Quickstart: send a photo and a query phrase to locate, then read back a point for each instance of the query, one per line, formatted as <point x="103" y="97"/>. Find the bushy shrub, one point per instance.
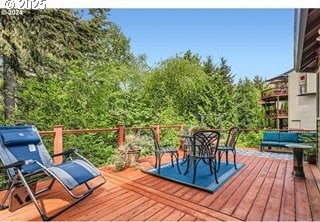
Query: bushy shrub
<point x="250" y="139"/>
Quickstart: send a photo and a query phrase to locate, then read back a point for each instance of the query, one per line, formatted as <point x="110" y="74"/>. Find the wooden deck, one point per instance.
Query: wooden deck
<point x="263" y="190"/>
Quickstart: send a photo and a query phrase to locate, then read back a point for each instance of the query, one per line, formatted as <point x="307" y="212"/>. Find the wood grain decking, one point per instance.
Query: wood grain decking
<point x="263" y="190"/>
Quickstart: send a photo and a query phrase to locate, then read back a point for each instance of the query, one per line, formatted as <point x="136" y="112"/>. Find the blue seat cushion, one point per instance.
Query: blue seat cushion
<point x="19" y="137"/>
<point x="288" y="137"/>
<point x="74" y="173"/>
<point x="271" y="136"/>
<point x="23" y="152"/>
<point x="271" y="143"/>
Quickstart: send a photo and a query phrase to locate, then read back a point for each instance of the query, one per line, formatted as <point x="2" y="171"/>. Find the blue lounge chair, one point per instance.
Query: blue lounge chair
<point x="25" y="159"/>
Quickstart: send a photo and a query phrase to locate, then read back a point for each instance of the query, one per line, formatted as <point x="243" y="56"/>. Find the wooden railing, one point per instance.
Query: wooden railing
<point x="58" y="133"/>
<point x="120" y="130"/>
<point x="267" y="93"/>
<point x="278" y="113"/>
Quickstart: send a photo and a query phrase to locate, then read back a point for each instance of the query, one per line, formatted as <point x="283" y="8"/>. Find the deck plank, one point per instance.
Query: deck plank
<point x="263" y="190"/>
<point x="129" y="210"/>
<point x="207" y="200"/>
<point x="148" y="212"/>
<point x="218" y="203"/>
<point x="257" y="209"/>
<point x="303" y="211"/>
<point x="240" y="192"/>
<point x="174" y="216"/>
<point x="160" y="215"/>
<point x="287" y="212"/>
<point x="246" y="203"/>
<point x="272" y="210"/>
<point x="313" y="193"/>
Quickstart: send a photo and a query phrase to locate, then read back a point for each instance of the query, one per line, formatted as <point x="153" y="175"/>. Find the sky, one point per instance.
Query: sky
<point x="254" y="41"/>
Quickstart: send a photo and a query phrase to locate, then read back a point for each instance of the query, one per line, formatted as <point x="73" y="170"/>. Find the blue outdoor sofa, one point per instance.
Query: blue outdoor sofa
<point x="278" y="139"/>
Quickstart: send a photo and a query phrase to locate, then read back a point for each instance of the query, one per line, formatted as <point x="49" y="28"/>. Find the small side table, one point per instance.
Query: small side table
<point x="298" y="158"/>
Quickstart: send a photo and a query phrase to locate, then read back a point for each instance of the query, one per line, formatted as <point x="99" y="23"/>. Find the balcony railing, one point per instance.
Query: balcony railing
<point x="273" y="92"/>
<point x="279" y="113"/>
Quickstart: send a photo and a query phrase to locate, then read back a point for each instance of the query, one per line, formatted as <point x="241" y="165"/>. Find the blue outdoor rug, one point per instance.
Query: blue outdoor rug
<point x="204" y="180"/>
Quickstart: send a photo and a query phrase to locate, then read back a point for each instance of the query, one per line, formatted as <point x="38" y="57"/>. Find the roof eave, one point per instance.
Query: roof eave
<point x="301" y="16"/>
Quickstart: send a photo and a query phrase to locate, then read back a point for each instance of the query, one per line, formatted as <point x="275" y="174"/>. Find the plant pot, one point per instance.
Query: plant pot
<point x="312" y="159"/>
<point x="133" y="156"/>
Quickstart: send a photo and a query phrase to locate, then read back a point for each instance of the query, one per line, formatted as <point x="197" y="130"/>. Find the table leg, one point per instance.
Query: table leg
<point x="298" y="163"/>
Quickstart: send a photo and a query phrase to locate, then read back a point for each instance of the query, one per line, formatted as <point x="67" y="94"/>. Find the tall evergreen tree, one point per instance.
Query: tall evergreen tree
<point x="42" y="42"/>
<point x="208" y="66"/>
<point x="258" y="82"/>
<point x="249" y="111"/>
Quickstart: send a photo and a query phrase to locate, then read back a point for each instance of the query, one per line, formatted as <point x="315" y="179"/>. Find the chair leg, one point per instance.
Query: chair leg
<point x="188" y="166"/>
<point x="219" y="159"/>
<point x="234" y="159"/>
<point x="5" y="197"/>
<point x="215" y="172"/>
<point x="210" y="166"/>
<point x="184" y="154"/>
<point x="159" y="163"/>
<point x="172" y="159"/>
<point x="156" y="164"/>
<point x="177" y="159"/>
<point x="195" y="163"/>
<point x="227" y="157"/>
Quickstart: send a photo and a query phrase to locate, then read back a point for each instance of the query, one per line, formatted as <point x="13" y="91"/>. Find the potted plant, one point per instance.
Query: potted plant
<point x="127" y="154"/>
<point x="310" y="154"/>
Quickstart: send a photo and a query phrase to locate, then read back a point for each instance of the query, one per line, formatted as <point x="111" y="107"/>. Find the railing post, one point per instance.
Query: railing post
<point x="157" y="129"/>
<point x="58" y="143"/>
<point x="121" y="135"/>
<point x="181" y="143"/>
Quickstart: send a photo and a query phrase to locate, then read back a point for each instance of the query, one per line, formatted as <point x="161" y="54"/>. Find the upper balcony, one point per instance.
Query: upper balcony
<point x="279" y="113"/>
<point x="274" y="93"/>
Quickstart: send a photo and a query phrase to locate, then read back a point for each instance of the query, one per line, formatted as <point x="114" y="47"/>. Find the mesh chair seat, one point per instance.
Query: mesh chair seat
<point x="74" y="173"/>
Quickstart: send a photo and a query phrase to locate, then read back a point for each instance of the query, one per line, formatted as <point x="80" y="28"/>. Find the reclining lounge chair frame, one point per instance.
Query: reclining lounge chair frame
<point x="18" y="179"/>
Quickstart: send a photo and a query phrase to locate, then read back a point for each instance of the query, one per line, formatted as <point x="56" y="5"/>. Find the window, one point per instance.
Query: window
<point x="303" y="83"/>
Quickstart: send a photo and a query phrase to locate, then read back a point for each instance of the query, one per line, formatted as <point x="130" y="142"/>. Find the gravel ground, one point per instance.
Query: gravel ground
<point x="273" y="155"/>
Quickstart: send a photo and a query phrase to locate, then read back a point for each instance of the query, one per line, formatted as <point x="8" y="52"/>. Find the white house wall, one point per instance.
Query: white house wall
<point x="302" y="109"/>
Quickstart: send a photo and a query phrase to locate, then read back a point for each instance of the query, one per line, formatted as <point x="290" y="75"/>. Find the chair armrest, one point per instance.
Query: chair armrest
<point x="17" y="164"/>
<point x="66" y="153"/>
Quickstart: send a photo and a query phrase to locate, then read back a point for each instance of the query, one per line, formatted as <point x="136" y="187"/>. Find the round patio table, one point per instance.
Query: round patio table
<point x="297" y="149"/>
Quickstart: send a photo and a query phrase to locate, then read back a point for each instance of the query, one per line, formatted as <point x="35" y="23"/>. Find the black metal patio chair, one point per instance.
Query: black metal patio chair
<point x="204" y="148"/>
<point x="160" y="151"/>
<point x="186" y="148"/>
<point x="230" y="145"/>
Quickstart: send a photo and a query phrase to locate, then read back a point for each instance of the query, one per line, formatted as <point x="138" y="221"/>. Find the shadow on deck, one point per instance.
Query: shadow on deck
<point x="263" y="190"/>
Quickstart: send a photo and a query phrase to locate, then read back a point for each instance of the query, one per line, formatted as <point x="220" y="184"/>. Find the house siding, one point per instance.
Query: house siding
<point x="302" y="108"/>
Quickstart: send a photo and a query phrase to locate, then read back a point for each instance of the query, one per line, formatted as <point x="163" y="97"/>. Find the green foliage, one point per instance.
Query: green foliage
<point x="98" y="148"/>
<point x="43" y="43"/>
<point x="250" y="139"/>
<point x="310" y="139"/>
<point x="250" y="114"/>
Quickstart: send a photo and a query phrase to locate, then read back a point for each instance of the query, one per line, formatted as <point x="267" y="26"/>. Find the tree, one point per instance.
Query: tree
<point x="208" y="66"/>
<point x="177" y="82"/>
<point x="258" y="81"/>
<point x="42" y="42"/>
<point x="249" y="111"/>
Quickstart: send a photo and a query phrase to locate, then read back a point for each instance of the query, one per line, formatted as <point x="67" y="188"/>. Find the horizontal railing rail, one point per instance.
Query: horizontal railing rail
<point x="81" y="131"/>
<point x="267" y="93"/>
<point x="120" y="130"/>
